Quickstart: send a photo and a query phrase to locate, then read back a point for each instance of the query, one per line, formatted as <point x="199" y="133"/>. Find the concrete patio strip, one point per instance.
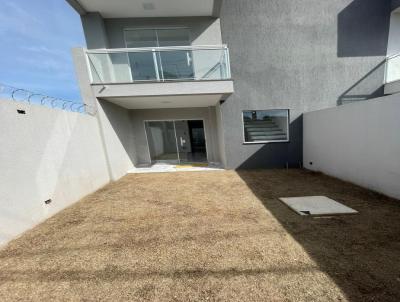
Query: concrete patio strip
<point x="164" y="168"/>
<point x="316" y="206"/>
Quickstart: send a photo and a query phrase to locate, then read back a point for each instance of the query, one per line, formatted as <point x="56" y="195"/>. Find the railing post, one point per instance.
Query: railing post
<point x="228" y="63"/>
<point x="156" y="64"/>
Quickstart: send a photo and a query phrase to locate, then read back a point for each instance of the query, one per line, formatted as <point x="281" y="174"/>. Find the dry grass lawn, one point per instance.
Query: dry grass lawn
<point x="209" y="236"/>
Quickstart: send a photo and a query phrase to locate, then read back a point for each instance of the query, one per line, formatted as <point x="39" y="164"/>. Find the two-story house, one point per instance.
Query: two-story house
<point x="227" y="81"/>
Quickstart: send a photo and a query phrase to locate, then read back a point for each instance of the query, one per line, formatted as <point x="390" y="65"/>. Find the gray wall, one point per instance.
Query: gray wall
<point x="203" y="30"/>
<point x="45" y="154"/>
<point x="94" y="30"/>
<point x="301" y="55"/>
<point x="109" y="33"/>
<point x="208" y="114"/>
<point x="358" y="142"/>
<point x="116" y="128"/>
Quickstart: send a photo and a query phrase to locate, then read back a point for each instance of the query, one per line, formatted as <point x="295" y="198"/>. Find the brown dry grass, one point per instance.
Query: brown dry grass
<point x="212" y="236"/>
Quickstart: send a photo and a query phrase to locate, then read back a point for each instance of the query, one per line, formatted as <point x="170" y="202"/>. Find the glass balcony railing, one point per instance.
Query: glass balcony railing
<point x="160" y="64"/>
<point x="392" y="68"/>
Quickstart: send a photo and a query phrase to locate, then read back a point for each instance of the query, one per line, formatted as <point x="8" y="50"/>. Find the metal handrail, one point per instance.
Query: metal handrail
<point x="151" y="49"/>
<point x="393" y="56"/>
<point x="154" y="50"/>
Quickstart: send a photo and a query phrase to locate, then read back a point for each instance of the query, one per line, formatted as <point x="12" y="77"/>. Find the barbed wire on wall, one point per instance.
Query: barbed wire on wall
<point x="23" y="95"/>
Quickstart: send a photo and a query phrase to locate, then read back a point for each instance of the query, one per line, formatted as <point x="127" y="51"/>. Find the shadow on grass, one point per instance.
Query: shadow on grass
<point x="112" y="273"/>
<point x="359" y="252"/>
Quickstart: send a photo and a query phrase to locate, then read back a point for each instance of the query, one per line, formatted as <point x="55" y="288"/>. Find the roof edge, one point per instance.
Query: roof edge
<point x="77" y="6"/>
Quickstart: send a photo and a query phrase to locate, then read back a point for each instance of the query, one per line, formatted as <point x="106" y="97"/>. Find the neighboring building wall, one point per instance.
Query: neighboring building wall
<point x="358" y="142"/>
<point x="394" y="34"/>
<point x="302" y="56"/>
<point x="206" y="113"/>
<point x="45" y="154"/>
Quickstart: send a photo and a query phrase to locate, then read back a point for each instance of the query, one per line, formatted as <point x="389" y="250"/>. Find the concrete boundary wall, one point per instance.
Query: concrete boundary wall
<point x="45" y="154"/>
<point x="358" y="142"/>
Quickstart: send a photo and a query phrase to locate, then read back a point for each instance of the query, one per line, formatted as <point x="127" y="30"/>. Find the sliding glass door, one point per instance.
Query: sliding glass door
<point x="176" y="142"/>
<point x="161" y="137"/>
<point x="143" y="64"/>
<point x="159" y="64"/>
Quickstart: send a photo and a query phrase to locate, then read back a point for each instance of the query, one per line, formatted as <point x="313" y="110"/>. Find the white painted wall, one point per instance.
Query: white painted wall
<point x="393" y="65"/>
<point x="394" y="33"/>
<point x="45" y="153"/>
<point x="358" y="142"/>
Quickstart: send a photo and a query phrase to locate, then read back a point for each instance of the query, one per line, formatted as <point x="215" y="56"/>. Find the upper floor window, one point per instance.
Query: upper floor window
<point x="157" y="37"/>
<point x="264" y="126"/>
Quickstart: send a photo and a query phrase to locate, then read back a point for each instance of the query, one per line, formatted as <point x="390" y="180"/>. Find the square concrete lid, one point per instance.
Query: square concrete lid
<point x="316" y="205"/>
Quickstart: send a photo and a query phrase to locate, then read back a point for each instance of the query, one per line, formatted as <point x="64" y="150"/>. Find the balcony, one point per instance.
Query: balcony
<point x="125" y="76"/>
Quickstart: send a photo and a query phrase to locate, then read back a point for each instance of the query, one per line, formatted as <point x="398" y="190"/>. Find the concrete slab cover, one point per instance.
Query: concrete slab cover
<point x="316" y="205"/>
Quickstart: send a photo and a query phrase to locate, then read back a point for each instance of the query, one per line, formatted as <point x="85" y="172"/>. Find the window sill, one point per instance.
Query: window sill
<point x="265" y="142"/>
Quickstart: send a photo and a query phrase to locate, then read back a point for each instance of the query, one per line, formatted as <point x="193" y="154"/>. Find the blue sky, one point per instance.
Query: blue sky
<point x="36" y="39"/>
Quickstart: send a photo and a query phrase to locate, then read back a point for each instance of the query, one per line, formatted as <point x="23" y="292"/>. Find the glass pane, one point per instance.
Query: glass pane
<point x="197" y="64"/>
<point x="266" y="125"/>
<point x="100" y="66"/>
<point x="162" y="141"/>
<point x="120" y="66"/>
<point x="210" y="64"/>
<point x="137" y="38"/>
<point x="173" y="37"/>
<point x="142" y="66"/>
<point x="191" y="141"/>
<point x="176" y="65"/>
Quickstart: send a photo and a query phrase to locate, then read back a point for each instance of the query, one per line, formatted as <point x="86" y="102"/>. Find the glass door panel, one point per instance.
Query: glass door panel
<point x="143" y="66"/>
<point x="183" y="138"/>
<point x="164" y="65"/>
<point x="173" y="37"/>
<point x="142" y="63"/>
<point x="162" y="142"/>
<point x="176" y="141"/>
<point x="175" y="64"/>
<point x="137" y="38"/>
<point x="191" y="141"/>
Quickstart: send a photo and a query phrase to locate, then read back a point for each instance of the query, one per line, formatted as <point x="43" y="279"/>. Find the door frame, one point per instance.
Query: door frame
<point x="176" y="139"/>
